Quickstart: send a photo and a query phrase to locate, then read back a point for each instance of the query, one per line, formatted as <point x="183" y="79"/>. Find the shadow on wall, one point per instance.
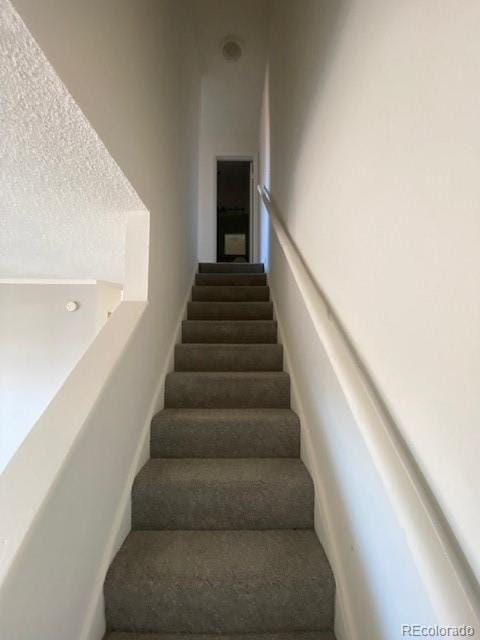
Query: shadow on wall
<point x="378" y="586"/>
<point x="361" y="104"/>
<point x="382" y="587"/>
<point x="315" y="59"/>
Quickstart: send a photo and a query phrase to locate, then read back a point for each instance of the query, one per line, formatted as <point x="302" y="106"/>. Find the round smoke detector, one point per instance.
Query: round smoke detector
<point x="232" y="48"/>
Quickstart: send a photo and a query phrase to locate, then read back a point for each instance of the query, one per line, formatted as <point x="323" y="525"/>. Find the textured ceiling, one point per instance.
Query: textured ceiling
<point x="64" y="201"/>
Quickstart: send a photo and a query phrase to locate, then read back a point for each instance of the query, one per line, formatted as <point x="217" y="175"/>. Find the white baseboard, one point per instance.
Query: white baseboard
<point x="94" y="626"/>
<point x="345" y="629"/>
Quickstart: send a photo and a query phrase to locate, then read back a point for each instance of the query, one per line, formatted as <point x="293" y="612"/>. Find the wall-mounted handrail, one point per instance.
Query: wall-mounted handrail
<point x="450" y="584"/>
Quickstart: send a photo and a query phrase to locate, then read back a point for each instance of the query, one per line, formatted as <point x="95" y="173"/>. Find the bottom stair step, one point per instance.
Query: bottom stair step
<point x="294" y="635"/>
<point x="219" y="582"/>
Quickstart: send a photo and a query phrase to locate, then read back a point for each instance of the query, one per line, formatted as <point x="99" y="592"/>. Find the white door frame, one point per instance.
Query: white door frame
<point x="253" y="231"/>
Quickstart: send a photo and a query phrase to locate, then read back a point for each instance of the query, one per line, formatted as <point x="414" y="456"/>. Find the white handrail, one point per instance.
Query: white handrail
<point x="451" y="587"/>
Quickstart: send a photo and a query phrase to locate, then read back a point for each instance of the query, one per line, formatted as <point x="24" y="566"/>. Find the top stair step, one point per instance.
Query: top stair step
<point x="230" y="267"/>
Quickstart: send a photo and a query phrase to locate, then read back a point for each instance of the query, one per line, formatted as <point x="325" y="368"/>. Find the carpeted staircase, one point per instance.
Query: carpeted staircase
<point x="222" y="541"/>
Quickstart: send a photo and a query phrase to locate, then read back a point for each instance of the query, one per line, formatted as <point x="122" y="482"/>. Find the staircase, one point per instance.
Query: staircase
<point x="222" y="539"/>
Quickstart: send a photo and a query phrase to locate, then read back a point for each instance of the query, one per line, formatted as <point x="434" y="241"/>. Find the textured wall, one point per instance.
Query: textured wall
<point x="132" y="68"/>
<point x="63" y="199"/>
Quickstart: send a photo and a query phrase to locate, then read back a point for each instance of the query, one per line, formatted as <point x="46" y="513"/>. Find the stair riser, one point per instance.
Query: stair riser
<point x="238" y="441"/>
<point x="230" y="294"/>
<point x="228" y="357"/>
<point x="215" y="392"/>
<point x="230" y="311"/>
<point x="229" y="267"/>
<point x="240" y="505"/>
<point x="229" y="279"/>
<point x="209" y="331"/>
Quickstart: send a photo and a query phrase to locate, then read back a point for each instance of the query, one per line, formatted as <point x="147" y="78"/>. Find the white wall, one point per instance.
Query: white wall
<point x="132" y="69"/>
<point x="40" y="343"/>
<point x="374" y="168"/>
<point x="378" y="586"/>
<point x="108" y="297"/>
<point x="230" y="99"/>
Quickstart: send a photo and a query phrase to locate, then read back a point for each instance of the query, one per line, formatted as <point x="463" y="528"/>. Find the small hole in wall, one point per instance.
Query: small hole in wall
<point x="232" y="49"/>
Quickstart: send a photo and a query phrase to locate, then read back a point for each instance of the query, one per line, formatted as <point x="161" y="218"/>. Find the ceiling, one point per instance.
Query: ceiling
<point x="246" y="20"/>
<point x="64" y="202"/>
<point x="231" y="89"/>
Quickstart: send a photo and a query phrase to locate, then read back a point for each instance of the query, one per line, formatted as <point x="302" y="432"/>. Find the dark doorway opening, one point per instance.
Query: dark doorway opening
<point x="234" y="198"/>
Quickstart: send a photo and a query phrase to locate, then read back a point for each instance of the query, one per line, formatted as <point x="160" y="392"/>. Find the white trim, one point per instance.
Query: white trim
<point x="448" y="579"/>
<point x="58" y="281"/>
<point x="95" y="624"/>
<point x="345" y="629"/>
<point x="137" y="252"/>
<point x="47" y="281"/>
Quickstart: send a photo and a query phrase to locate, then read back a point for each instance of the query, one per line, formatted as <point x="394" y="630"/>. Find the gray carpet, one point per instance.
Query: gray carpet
<point x="296" y="635"/>
<point x="223" y="331"/>
<point x="227" y="389"/>
<point x="225" y="433"/>
<point x="222" y="542"/>
<point x="218" y="493"/>
<point x="229" y="267"/>
<point x="228" y="357"/>
<point x="225" y="310"/>
<point x="220" y="582"/>
<point x="230" y="294"/>
<point x="251" y="279"/>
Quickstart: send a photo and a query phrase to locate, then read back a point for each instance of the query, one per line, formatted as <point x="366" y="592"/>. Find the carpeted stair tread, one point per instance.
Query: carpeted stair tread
<point x="230" y="311"/>
<point x="230" y="294"/>
<point x="228" y="357"/>
<point x="229" y="331"/>
<point x="226" y="389"/>
<point x="228" y="279"/>
<point x="293" y="635"/>
<point x="210" y="494"/>
<point x="220" y="582"/>
<point x="230" y="267"/>
<point x="225" y="433"/>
